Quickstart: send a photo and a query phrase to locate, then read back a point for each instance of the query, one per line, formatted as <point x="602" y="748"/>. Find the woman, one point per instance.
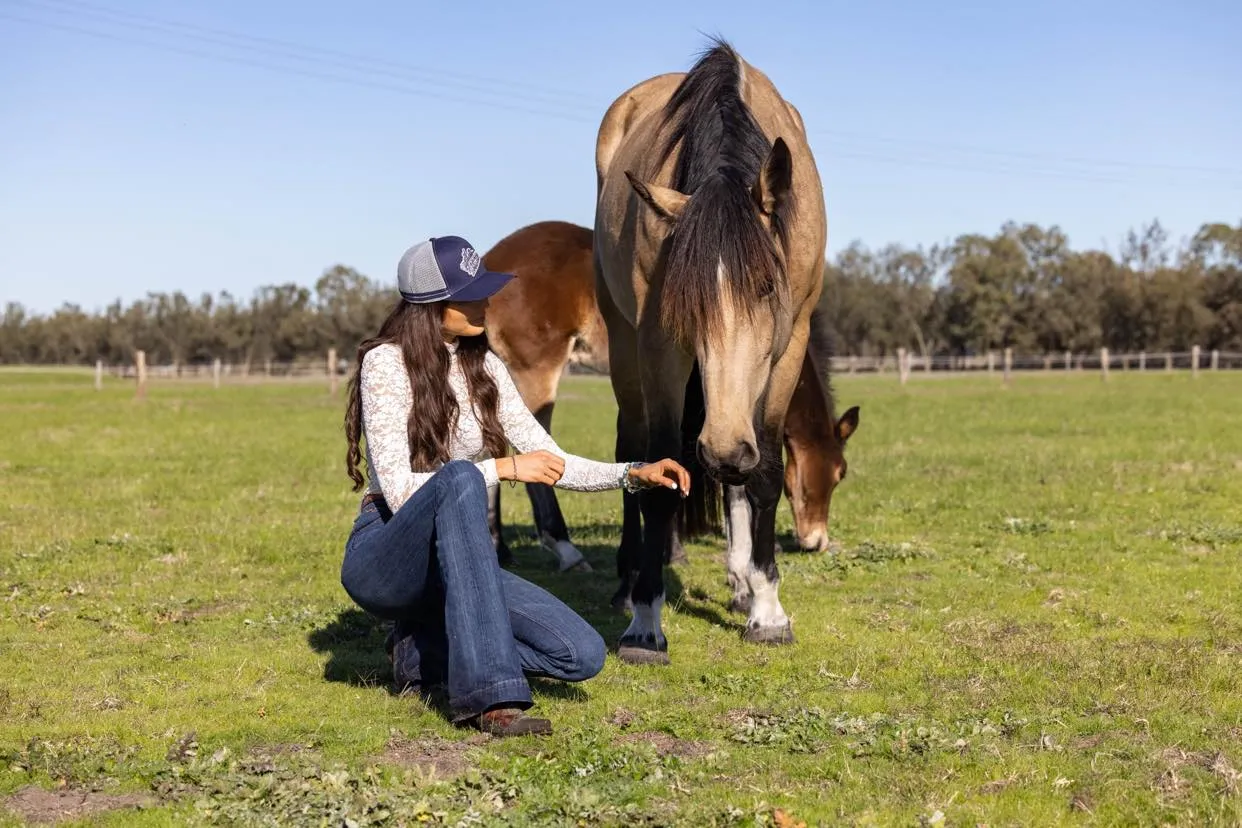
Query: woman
<point x="438" y="410"/>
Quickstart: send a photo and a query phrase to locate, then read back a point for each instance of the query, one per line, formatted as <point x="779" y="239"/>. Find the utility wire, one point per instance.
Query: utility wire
<point x="534" y="100"/>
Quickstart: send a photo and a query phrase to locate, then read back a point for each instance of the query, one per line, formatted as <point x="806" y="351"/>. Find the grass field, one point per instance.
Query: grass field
<point x="1032" y="618"/>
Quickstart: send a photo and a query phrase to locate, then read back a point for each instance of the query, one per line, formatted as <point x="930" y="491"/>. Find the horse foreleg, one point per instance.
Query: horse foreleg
<point x="768" y="623"/>
<point x="549" y="521"/>
<point x="664" y="375"/>
<point x="623" y="374"/>
<point x="643" y="642"/>
<point x="629" y="551"/>
<point x="503" y="556"/>
<point x="738" y="540"/>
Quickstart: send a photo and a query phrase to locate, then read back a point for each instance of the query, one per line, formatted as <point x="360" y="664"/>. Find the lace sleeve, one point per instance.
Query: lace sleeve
<point x="386" y="400"/>
<point x="526" y="435"/>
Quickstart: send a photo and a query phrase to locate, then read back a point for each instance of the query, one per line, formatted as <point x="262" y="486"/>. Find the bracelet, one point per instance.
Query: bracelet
<point x="513" y="483"/>
<point x="629" y="485"/>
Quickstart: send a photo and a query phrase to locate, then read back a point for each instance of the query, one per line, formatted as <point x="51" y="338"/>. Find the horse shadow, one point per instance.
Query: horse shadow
<point x="354" y="639"/>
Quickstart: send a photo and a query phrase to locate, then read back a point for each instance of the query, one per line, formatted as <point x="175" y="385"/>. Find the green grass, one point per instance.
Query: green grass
<point x="1032" y="618"/>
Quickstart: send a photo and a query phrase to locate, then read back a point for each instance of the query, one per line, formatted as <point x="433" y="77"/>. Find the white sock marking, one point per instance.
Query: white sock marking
<point x="646" y="621"/>
<point x="765" y="607"/>
<point x="738" y="538"/>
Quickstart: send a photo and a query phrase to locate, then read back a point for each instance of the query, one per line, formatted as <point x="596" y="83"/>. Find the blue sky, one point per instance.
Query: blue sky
<point x="140" y="151"/>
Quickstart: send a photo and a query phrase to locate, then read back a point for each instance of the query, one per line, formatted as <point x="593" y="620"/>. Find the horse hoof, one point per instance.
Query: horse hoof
<point x="770" y="635"/>
<point x="641" y="655"/>
<point x="740" y="603"/>
<point x="568" y="557"/>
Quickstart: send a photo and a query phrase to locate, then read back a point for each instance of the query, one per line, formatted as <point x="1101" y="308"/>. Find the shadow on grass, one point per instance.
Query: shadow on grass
<point x="354" y="640"/>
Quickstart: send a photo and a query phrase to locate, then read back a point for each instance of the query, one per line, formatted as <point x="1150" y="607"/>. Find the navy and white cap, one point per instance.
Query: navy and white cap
<point x="446" y="267"/>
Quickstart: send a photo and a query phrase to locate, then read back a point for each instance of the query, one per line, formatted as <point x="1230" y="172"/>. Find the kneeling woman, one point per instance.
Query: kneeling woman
<point x="437" y="410"/>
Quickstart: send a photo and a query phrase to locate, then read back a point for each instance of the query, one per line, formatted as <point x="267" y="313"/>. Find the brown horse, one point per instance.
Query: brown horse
<point x="548" y="317"/>
<point x="710" y="240"/>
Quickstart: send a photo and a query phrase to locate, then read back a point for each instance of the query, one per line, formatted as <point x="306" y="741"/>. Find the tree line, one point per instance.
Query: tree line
<point x="1023" y="288"/>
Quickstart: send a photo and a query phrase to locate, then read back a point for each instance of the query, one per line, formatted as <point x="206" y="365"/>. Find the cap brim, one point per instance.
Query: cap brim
<point x="484" y="284"/>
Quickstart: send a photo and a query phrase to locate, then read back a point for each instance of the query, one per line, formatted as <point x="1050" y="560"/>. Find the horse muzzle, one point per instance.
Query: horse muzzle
<point x="734" y="466"/>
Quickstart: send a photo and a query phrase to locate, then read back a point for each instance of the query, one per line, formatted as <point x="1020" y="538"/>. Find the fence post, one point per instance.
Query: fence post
<point x="1194" y="360"/>
<point x="1047" y="362"/>
<point x="332" y="371"/>
<point x="140" y="365"/>
<point x="1168" y="360"/>
<point x="1142" y="360"/>
<point x="901" y="365"/>
<point x="853" y="364"/>
<point x="1008" y="364"/>
<point x="1215" y="359"/>
<point x="215" y="372"/>
<point x="1104" y="363"/>
<point x="99" y="375"/>
<point x="1069" y="361"/>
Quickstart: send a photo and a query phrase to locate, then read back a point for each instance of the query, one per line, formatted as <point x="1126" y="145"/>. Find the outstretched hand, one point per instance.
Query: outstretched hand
<point x="667" y="472"/>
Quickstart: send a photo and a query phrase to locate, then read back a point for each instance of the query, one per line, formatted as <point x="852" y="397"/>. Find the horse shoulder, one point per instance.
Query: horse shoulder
<point x="627" y="110"/>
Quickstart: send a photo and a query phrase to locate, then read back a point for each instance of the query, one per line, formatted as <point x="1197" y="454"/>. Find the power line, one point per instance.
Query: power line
<point x="365" y="77"/>
<point x="301" y="51"/>
<point x="334" y="78"/>
<point x="562" y="97"/>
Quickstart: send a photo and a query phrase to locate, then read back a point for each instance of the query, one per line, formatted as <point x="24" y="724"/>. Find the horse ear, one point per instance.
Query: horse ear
<point x="666" y="203"/>
<point x="775" y="180"/>
<point x="847" y="425"/>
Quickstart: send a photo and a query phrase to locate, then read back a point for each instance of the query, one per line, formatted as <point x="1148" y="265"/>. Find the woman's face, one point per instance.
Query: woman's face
<point x="463" y="318"/>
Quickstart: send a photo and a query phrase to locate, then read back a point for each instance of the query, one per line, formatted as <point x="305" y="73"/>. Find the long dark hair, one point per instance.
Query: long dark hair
<point x="433" y="417"/>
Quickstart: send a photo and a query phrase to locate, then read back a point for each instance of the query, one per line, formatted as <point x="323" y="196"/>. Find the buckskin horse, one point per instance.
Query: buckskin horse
<point x="709" y="248"/>
<point x="548" y="317"/>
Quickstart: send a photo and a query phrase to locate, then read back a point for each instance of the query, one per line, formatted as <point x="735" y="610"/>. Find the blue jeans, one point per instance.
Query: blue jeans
<point x="431" y="567"/>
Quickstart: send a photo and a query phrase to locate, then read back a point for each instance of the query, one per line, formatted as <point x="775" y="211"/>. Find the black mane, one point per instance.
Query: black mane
<point x="721" y="152"/>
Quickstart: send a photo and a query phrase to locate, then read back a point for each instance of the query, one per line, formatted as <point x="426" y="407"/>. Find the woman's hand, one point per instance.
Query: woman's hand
<point x="537" y="467"/>
<point x="668" y="473"/>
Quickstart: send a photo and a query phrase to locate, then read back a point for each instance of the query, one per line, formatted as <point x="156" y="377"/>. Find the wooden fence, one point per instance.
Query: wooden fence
<point x="903" y="365"/>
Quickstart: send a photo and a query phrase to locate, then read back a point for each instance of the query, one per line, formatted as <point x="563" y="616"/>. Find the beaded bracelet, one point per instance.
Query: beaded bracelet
<point x="631" y="486"/>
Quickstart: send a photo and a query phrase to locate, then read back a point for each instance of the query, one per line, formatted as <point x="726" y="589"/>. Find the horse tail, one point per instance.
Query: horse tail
<point x="700" y="512"/>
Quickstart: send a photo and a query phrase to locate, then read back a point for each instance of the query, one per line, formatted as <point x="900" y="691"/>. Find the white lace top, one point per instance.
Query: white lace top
<point x="386" y="400"/>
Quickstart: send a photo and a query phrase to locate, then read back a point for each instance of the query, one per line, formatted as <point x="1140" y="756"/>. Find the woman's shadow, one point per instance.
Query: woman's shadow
<point x="354" y="640"/>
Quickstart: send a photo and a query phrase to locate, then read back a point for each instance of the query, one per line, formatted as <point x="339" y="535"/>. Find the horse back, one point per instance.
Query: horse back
<point x="534" y="318"/>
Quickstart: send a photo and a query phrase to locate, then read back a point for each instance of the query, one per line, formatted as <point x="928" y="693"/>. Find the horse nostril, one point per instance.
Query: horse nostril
<point x="745" y="457"/>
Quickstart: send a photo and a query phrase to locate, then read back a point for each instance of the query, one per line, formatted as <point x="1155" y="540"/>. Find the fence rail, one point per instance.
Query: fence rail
<point x="1193" y="360"/>
<point x="903" y="365"/>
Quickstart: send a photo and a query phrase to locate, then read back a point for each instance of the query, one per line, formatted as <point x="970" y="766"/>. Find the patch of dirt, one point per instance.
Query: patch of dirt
<point x="1171" y="783"/>
<point x="739" y="716"/>
<point x="666" y="745"/>
<point x="42" y="807"/>
<point x="621" y="717"/>
<point x="1083" y="802"/>
<point x="995" y="786"/>
<point x="1087" y="742"/>
<point x="433" y="754"/>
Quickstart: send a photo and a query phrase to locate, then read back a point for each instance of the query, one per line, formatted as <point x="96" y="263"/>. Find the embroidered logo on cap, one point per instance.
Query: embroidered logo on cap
<point x="470" y="261"/>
